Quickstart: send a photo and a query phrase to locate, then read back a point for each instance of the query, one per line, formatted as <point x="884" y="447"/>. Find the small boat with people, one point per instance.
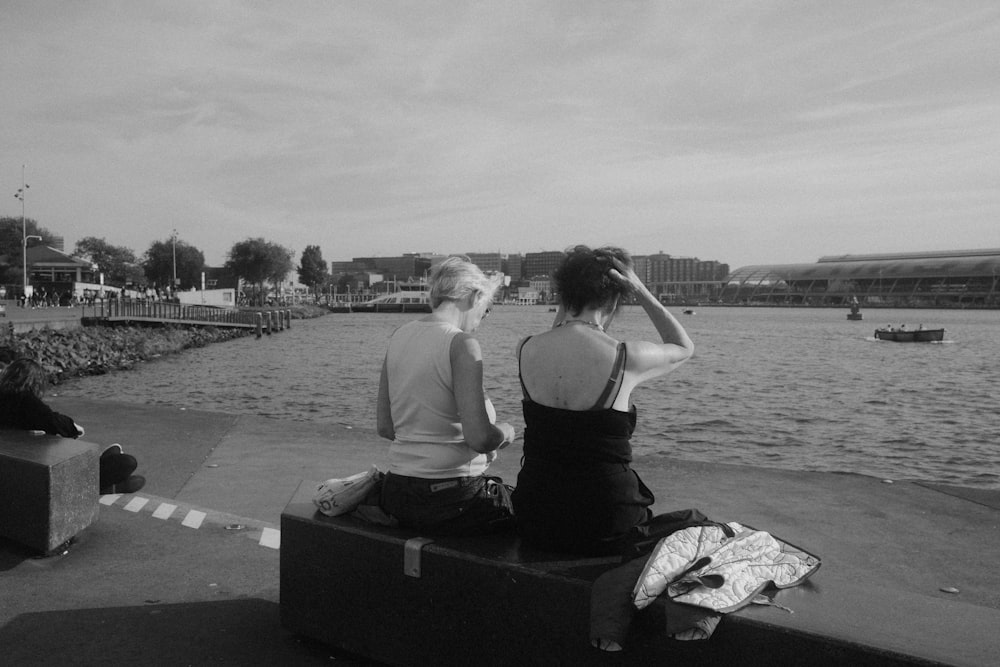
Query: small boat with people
<point x="901" y="334"/>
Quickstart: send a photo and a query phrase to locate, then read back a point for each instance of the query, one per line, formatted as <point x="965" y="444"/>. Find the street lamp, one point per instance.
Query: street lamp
<point x="24" y="232"/>
<point x="173" y="241"/>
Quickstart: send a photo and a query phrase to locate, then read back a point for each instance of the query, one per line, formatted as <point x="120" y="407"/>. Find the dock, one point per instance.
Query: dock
<point x="187" y="570"/>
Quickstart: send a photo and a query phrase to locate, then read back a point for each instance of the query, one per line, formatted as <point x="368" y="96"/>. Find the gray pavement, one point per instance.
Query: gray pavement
<point x="26" y="319"/>
<point x="186" y="571"/>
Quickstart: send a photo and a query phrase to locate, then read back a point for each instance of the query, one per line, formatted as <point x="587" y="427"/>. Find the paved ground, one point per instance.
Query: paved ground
<point x="25" y="319"/>
<point x="186" y="571"/>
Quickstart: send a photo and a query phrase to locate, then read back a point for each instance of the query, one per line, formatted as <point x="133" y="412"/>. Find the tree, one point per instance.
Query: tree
<point x="158" y="264"/>
<point x="12" y="246"/>
<point x="256" y="261"/>
<point x="117" y="263"/>
<point x="345" y="282"/>
<point x="313" y="271"/>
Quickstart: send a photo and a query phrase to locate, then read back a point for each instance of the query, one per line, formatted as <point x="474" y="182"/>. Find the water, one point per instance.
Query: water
<point x="800" y="389"/>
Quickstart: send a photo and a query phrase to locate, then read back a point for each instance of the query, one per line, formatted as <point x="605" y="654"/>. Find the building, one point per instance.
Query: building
<point x="50" y="266"/>
<point x="488" y="262"/>
<point x="936" y="279"/>
<point x="681" y="279"/>
<point x="513" y="267"/>
<point x="542" y="263"/>
<point x="402" y="268"/>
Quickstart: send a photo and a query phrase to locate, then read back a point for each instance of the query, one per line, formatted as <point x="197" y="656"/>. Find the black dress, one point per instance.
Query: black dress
<point x="576" y="490"/>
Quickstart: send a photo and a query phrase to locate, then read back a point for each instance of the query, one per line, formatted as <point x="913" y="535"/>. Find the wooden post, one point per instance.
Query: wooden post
<point x="260" y="325"/>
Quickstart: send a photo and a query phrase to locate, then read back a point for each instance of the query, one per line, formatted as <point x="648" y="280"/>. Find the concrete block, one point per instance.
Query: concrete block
<point x="48" y="488"/>
<point x="390" y="596"/>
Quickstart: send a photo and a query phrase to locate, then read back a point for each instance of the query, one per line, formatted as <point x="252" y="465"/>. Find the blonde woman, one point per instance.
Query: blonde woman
<point x="432" y="406"/>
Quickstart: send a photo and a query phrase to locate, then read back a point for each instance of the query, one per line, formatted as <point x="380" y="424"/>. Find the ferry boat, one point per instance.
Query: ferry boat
<point x="408" y="299"/>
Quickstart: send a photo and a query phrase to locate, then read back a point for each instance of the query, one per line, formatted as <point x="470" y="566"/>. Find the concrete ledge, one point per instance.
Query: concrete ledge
<point x="48" y="488"/>
<point x="351" y="585"/>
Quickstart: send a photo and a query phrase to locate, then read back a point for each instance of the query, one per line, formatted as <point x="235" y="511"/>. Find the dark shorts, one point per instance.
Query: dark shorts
<point x="453" y="506"/>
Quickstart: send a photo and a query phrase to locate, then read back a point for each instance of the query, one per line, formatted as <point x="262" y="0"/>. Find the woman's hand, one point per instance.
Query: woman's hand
<point x="508" y="434"/>
<point x="625" y="276"/>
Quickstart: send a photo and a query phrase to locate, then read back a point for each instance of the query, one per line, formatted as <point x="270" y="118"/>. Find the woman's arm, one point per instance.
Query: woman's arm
<point x="383" y="410"/>
<point x="467" y="383"/>
<point x="39" y="416"/>
<point x="647" y="360"/>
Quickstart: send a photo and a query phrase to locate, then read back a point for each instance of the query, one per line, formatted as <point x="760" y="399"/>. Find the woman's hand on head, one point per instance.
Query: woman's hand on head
<point x="625" y="276"/>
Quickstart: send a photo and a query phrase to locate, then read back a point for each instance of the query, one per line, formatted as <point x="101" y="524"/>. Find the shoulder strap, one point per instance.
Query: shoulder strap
<point x="615" y="381"/>
<point x="520" y="379"/>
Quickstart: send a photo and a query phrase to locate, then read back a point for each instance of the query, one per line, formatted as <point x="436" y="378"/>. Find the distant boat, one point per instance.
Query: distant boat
<point x="910" y="335"/>
<point x="855" y="313"/>
<point x="402" y="301"/>
<point x="688" y="311"/>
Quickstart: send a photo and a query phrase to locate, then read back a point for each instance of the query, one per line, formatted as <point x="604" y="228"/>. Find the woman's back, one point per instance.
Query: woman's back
<point x="570" y="368"/>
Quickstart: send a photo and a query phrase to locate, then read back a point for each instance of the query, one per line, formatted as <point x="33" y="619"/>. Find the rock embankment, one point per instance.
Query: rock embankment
<point x="95" y="350"/>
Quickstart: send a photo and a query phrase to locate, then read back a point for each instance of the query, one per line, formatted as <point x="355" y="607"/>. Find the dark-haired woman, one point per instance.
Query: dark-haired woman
<point x="22" y="385"/>
<point x="576" y="490"/>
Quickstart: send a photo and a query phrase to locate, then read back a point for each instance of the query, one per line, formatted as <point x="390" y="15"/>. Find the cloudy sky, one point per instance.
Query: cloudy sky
<point x="744" y="132"/>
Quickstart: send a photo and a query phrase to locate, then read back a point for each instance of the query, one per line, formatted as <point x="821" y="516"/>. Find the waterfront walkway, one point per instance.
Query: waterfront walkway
<point x="186" y="571"/>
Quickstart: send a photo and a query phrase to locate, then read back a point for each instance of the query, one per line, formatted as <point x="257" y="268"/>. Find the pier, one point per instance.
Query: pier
<point x="187" y="570"/>
<point x="153" y="313"/>
<point x="162" y="312"/>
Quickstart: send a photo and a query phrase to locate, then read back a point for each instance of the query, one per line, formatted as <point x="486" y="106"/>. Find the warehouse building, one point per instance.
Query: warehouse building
<point x="946" y="279"/>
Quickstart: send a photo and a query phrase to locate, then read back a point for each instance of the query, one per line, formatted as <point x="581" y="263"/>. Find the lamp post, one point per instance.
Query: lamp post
<point x="24" y="232"/>
<point x="173" y="241"/>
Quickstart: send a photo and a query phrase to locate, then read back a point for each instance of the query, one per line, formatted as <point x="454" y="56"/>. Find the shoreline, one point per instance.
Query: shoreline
<point x="58" y="339"/>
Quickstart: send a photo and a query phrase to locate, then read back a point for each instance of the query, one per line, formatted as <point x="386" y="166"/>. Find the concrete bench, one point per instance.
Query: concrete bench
<point x="393" y="596"/>
<point x="48" y="488"/>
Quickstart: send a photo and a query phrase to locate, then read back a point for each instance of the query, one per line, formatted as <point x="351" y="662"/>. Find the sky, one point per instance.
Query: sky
<point x="742" y="132"/>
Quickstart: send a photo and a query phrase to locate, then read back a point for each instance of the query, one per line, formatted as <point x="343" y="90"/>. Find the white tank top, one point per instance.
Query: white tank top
<point x="429" y="440"/>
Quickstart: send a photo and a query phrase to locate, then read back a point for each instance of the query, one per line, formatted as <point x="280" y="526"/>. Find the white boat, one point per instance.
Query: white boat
<point x="405" y="300"/>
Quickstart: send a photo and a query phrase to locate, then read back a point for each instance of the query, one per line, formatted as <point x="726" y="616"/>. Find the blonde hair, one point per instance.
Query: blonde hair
<point x="457" y="278"/>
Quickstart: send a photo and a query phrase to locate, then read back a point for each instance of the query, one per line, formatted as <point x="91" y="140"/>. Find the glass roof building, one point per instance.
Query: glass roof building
<point x="961" y="278"/>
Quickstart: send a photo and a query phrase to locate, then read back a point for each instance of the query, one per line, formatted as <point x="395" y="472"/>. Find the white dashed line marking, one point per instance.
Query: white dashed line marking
<point x="164" y="511"/>
<point x="193" y="519"/>
<point x="136" y="504"/>
<point x="270" y="538"/>
<point x="197" y="519"/>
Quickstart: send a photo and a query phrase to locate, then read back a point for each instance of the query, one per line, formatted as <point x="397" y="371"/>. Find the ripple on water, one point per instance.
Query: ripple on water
<point x="790" y="388"/>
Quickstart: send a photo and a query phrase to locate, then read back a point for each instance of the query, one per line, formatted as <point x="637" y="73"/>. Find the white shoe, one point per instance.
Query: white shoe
<point x="112" y="449"/>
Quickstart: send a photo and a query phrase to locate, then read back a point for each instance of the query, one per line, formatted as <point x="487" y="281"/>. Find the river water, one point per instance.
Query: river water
<point x="800" y="389"/>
